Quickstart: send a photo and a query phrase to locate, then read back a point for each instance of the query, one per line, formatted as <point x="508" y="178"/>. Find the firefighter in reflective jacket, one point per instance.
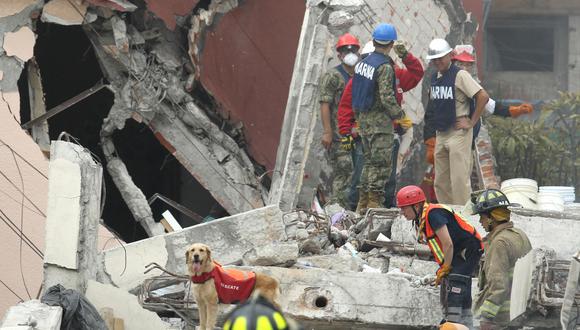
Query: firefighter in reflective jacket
<point x="456" y="247"/>
<point x="504" y="246"/>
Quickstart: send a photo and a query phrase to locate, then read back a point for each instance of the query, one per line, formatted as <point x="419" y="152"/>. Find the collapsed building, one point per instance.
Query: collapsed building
<point x="162" y="94"/>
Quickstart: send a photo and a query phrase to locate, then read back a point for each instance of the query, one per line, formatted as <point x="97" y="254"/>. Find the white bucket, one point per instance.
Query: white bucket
<point x="550" y="202"/>
<point x="567" y="193"/>
<point x="521" y="191"/>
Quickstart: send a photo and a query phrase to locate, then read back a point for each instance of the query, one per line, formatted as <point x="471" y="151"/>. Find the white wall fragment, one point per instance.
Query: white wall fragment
<point x="20" y="43"/>
<point x="63" y="214"/>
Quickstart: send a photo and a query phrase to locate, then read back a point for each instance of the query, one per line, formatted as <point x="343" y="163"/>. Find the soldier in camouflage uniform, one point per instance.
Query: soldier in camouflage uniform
<point x="375" y="106"/>
<point x="331" y="87"/>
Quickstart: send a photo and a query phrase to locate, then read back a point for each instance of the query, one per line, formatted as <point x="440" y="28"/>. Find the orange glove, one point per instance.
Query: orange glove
<point x="430" y="150"/>
<point x="518" y="110"/>
<point x="442" y="273"/>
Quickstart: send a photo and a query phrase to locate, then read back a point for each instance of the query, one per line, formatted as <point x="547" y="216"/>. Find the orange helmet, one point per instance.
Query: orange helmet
<point x="410" y="195"/>
<point x="452" y="326"/>
<point x="347" y="39"/>
<point x="463" y="57"/>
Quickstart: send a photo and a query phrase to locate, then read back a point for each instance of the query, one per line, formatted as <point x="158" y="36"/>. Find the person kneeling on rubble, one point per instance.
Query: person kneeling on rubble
<point x="504" y="245"/>
<point x="456" y="247"/>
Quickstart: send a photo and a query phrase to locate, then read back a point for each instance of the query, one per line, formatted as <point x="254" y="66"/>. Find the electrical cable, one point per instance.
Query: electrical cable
<point x="14" y="293"/>
<point x="21" y="225"/>
<point x="24" y="159"/>
<point x="20" y="191"/>
<point x="15" y="229"/>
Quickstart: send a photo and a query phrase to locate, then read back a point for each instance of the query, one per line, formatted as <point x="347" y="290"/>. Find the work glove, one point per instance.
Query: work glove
<point x="399" y="130"/>
<point x="405" y="122"/>
<point x="346" y="142"/>
<point x="400" y="50"/>
<point x="430" y="150"/>
<point x="442" y="273"/>
<point x="518" y="110"/>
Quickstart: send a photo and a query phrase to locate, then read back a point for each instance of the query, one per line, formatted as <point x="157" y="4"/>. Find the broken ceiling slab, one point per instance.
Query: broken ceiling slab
<point x="119" y="5"/>
<point x="67" y="12"/>
<point x="166" y="10"/>
<point x="229" y="238"/>
<point x="20" y="316"/>
<point x="355" y="300"/>
<point x="11" y="7"/>
<point x="73" y="214"/>
<point x="62" y="221"/>
<point x="20" y="43"/>
<point x="125" y="306"/>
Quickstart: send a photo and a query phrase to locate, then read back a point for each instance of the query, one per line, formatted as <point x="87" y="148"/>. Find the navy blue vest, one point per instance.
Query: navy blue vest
<point x="442" y="96"/>
<point x="364" y="81"/>
<point x="343" y="73"/>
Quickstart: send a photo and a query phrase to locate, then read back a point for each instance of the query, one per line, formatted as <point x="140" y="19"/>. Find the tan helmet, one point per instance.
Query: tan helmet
<point x="438" y="48"/>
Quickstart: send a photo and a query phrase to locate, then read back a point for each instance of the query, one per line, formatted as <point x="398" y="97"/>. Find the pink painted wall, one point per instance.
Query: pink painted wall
<point x="36" y="189"/>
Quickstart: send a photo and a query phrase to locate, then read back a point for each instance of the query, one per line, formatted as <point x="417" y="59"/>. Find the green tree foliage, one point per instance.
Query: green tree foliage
<point x="546" y="149"/>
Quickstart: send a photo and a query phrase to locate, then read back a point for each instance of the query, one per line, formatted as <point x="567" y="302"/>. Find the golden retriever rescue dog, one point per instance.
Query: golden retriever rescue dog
<point x="212" y="284"/>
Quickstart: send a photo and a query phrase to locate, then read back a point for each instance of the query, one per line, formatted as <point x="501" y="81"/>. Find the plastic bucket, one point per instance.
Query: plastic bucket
<point x="550" y="201"/>
<point x="567" y="193"/>
<point x="521" y="191"/>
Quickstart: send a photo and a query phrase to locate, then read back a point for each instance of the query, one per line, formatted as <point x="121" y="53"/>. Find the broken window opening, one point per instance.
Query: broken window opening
<point x="521" y="44"/>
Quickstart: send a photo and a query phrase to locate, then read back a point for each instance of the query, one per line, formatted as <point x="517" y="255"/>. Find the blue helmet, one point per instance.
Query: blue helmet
<point x="384" y="33"/>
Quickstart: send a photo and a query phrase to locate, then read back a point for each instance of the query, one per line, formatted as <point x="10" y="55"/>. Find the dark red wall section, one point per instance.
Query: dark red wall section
<point x="246" y="64"/>
<point x="476" y="9"/>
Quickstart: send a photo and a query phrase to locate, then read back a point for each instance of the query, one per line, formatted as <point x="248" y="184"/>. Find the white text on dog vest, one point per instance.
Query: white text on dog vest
<point x="230" y="287"/>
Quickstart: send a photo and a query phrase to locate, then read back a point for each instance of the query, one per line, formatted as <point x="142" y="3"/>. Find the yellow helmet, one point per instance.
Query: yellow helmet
<point x="257" y="314"/>
<point x="452" y="326"/>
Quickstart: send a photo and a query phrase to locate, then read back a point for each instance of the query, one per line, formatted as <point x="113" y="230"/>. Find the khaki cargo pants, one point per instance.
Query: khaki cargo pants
<point x="453" y="165"/>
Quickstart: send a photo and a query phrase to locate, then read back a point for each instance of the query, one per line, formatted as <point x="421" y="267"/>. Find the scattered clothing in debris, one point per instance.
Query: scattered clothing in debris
<point x="78" y="312"/>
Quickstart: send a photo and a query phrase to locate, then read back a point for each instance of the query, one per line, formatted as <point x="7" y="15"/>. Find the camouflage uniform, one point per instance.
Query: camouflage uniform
<point x="376" y="130"/>
<point x="331" y="87"/>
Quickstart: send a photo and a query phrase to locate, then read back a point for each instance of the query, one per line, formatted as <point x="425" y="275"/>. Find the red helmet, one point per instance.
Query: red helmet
<point x="347" y="39"/>
<point x="463" y="57"/>
<point x="410" y="195"/>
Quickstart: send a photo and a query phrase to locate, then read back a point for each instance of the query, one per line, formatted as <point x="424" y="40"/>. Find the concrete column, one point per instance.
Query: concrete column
<point x="73" y="213"/>
<point x="574" y="54"/>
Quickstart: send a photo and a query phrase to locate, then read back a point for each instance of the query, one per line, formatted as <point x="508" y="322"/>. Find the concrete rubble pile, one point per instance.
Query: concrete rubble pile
<point x="369" y="274"/>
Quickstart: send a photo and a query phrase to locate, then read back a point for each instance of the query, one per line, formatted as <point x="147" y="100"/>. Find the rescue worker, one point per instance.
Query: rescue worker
<point x="407" y="78"/>
<point x="450" y="96"/>
<point x="376" y="108"/>
<point x="455" y="244"/>
<point x="504" y="245"/>
<point x="331" y="87"/>
<point x="463" y="59"/>
<point x="257" y="313"/>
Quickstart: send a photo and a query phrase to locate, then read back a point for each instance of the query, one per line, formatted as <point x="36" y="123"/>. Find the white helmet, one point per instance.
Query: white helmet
<point x="368" y="48"/>
<point x="438" y="48"/>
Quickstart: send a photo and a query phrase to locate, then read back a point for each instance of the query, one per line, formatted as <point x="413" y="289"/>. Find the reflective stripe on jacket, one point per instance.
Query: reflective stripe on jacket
<point x="432" y="240"/>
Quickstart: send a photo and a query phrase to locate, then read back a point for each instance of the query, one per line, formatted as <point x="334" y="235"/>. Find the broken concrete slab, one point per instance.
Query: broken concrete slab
<point x="32" y="314"/>
<point x="336" y="262"/>
<point x="282" y="254"/>
<point x="67" y="12"/>
<point x="73" y="214"/>
<point x="124" y="305"/>
<point x="347" y="300"/>
<point x="229" y="238"/>
<point x="119" y="5"/>
<point x="37" y="106"/>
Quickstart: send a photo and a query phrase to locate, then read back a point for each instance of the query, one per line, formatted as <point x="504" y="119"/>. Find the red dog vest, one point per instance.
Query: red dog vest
<point x="232" y="285"/>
